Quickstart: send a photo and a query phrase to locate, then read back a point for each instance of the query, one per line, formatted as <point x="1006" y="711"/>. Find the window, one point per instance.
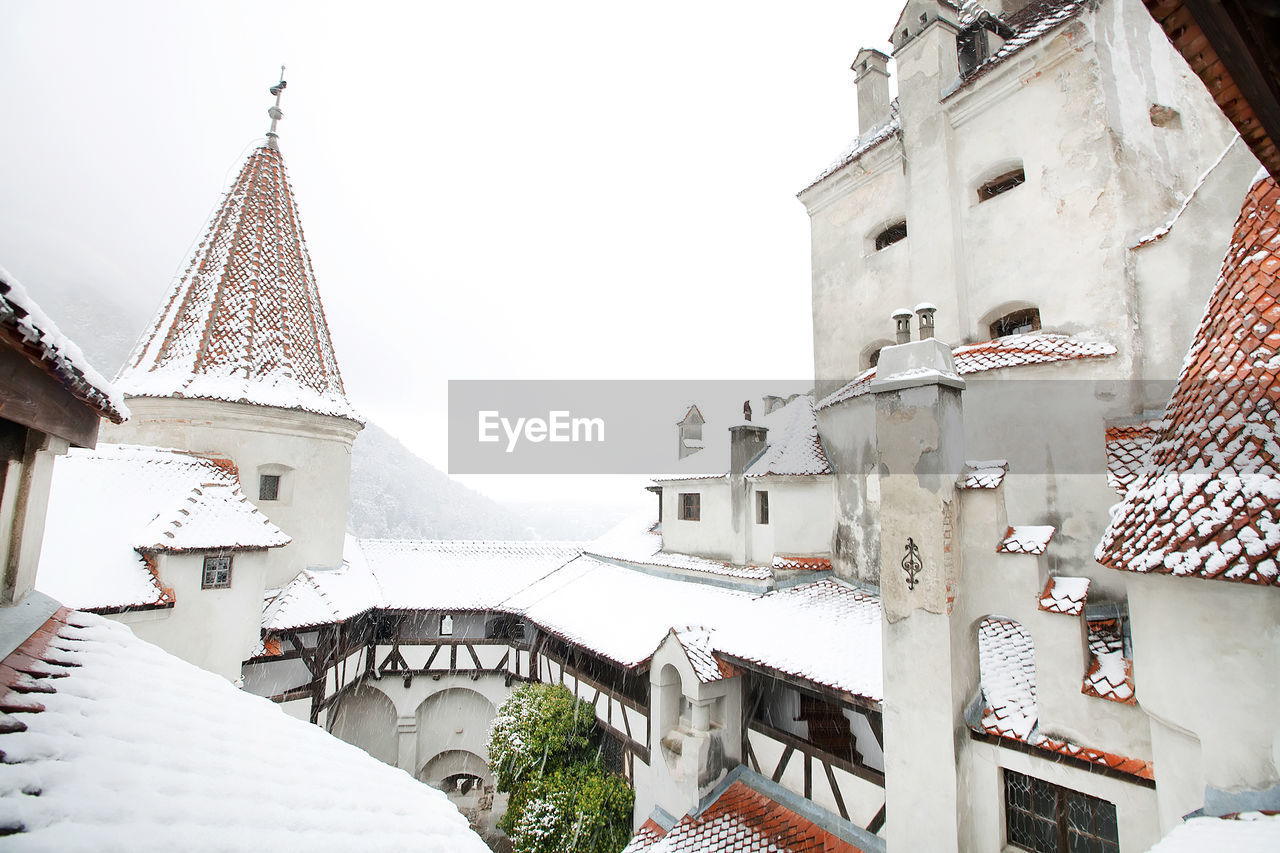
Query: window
<point x="762" y="507"/>
<point x="217" y="572"/>
<point x="1001" y="184"/>
<point x="446" y="625"/>
<point x="690" y="507"/>
<point x="269" y="487"/>
<point x="1016" y="323"/>
<point x="971" y="48"/>
<point x="891" y="235"/>
<point x="1045" y="818"/>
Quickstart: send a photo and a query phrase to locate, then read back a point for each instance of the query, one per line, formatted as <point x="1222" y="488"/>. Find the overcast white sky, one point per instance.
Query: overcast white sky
<point x="489" y="190"/>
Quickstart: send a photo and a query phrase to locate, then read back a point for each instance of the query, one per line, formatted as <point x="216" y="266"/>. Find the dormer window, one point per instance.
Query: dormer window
<point x="1001" y="184"/>
<point x="446" y="625"/>
<point x="891" y="235"/>
<point x="269" y="487"/>
<point x="1021" y="322"/>
<point x="217" y="572"/>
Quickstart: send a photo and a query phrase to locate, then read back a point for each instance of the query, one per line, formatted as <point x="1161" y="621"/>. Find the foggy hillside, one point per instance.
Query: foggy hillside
<point x="394" y="493"/>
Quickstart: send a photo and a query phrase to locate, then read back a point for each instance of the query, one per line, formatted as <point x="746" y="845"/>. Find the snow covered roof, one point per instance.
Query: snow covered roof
<point x="122" y="741"/>
<point x="106" y="505"/>
<point x="1110" y="674"/>
<point x="637" y="540"/>
<point x="1026" y="539"/>
<point x="995" y="354"/>
<point x="244" y="323"/>
<point x="987" y="474"/>
<point x="1251" y="832"/>
<point x="447" y="574"/>
<point x="890" y="128"/>
<point x="325" y="596"/>
<point x="795" y="448"/>
<point x="1029" y="24"/>
<point x="745" y="813"/>
<point x="1065" y="595"/>
<point x="1127" y="448"/>
<point x="825" y="632"/>
<point x="699" y="648"/>
<point x="28" y="328"/>
<point x="210" y="517"/>
<point x="1208" y="502"/>
<point x="1007" y="666"/>
<point x="1007" y="661"/>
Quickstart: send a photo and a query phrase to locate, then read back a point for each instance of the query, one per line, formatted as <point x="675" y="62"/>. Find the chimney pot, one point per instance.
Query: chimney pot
<point x="902" y="321"/>
<point x="925" y="312"/>
<point x="871" y="76"/>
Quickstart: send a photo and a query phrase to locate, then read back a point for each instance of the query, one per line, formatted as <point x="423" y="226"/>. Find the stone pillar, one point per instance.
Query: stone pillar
<point x="920" y="437"/>
<point x="407" y="743"/>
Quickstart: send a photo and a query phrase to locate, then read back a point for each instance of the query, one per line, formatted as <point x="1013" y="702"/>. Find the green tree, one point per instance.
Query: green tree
<point x="544" y="752"/>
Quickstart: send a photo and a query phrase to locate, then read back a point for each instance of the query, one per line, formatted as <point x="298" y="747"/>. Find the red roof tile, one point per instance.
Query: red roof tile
<point x="1127" y="448"/>
<point x="741" y="820"/>
<point x="1026" y="539"/>
<point x="1110" y="674"/>
<point x="244" y="323"/>
<point x="1065" y="595"/>
<point x="1208" y="504"/>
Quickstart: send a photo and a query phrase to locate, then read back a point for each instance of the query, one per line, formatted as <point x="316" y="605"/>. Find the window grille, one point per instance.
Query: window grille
<point x="891" y="235"/>
<point x="1001" y="184"/>
<point x="217" y="572"/>
<point x="1045" y="818"/>
<point x="690" y="507"/>
<point x="269" y="487"/>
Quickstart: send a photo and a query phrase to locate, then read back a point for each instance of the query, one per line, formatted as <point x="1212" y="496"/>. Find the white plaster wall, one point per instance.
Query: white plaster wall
<point x="712" y="536"/>
<point x="801" y="517"/>
<point x="982" y="796"/>
<point x="215" y="629"/>
<point x="24" y="504"/>
<point x="455" y="719"/>
<point x="1207" y="660"/>
<point x="366" y="718"/>
<point x="316" y="449"/>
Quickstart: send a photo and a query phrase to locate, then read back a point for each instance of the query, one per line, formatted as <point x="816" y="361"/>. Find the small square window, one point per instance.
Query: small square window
<point x="762" y="507"/>
<point x="690" y="507"/>
<point x="217" y="572"/>
<point x="446" y="625"/>
<point x="269" y="487"/>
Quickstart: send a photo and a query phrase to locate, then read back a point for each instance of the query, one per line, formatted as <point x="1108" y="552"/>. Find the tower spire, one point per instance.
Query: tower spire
<point x="274" y="111"/>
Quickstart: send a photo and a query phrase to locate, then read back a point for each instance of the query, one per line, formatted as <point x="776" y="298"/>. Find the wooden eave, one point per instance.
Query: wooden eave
<point x="1235" y="50"/>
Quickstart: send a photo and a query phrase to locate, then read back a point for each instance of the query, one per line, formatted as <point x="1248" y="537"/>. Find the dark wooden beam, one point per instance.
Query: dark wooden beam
<point x="31" y="397"/>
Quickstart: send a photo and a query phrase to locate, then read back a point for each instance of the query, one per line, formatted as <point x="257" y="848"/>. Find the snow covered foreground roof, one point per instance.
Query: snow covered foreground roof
<point x="136" y="750"/>
<point x="826" y="632"/>
<point x="637" y="540"/>
<point x="1207" y="504"/>
<point x="28" y="328"/>
<point x="1251" y="832"/>
<point x="244" y="323"/>
<point x="995" y="354"/>
<point x="110" y="505"/>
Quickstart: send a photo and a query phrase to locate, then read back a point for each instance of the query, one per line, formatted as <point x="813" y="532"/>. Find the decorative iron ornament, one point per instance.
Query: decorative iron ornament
<point x="911" y="563"/>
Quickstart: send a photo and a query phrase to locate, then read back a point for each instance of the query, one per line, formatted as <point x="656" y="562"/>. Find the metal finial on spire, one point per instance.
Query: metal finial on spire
<point x="274" y="111"/>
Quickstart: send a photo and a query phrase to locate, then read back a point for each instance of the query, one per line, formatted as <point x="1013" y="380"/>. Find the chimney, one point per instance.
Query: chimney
<point x="871" y="76"/>
<point x="745" y="443"/>
<point x="902" y="321"/>
<point x="925" y="311"/>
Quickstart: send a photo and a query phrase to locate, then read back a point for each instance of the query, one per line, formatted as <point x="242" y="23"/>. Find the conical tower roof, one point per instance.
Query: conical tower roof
<point x="1208" y="503"/>
<point x="244" y="323"/>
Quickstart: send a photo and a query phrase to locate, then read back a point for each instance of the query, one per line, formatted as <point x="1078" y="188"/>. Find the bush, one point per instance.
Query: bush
<point x="563" y="800"/>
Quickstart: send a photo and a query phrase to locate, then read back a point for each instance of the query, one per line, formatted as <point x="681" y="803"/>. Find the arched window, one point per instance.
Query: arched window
<point x="871" y="353"/>
<point x="895" y="232"/>
<point x="1020" y="322"/>
<point x="1001" y="183"/>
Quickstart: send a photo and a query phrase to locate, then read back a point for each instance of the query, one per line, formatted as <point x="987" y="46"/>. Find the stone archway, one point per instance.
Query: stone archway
<point x="366" y="718"/>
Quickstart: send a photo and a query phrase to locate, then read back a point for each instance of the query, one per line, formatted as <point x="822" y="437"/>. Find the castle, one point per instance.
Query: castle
<point x="899" y="612"/>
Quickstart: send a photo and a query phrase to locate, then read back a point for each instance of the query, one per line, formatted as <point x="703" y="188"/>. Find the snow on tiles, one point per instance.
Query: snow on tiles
<point x="1250" y="832"/>
<point x="1026" y="539"/>
<point x="795" y="448"/>
<point x="1007" y="663"/>
<point x="1065" y="595"/>
<point x="988" y="474"/>
<point x="637" y="541"/>
<point x="1208" y="503"/>
<point x="198" y="766"/>
<point x="89" y="558"/>
<point x="211" y="517"/>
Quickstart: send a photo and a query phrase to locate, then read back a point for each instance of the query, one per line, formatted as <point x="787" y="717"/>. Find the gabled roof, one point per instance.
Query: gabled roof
<point x="325" y="596"/>
<point x="29" y="329"/>
<point x="995" y="354"/>
<point x="107" y="506"/>
<point x="1208" y="503"/>
<point x="795" y="448"/>
<point x="120" y="743"/>
<point x="244" y="323"/>
<point x="1029" y="24"/>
